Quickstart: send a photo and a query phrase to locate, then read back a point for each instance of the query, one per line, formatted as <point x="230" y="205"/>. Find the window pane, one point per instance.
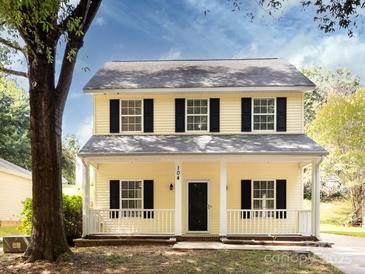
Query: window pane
<point x="270" y="204"/>
<point x="257" y="204"/>
<point x="124" y="193"/>
<point x="131" y="204"/>
<point x="124" y="204"/>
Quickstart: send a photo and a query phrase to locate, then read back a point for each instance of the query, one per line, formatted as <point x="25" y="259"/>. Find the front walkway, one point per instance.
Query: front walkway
<point x="347" y="253"/>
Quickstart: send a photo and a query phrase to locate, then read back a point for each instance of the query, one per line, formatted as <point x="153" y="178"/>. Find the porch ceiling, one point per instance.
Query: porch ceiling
<point x="202" y="145"/>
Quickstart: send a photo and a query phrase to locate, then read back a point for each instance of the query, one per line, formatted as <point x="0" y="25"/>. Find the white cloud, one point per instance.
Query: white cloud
<point x="100" y="21"/>
<point x="332" y="52"/>
<point x="171" y="54"/>
<point x="84" y="130"/>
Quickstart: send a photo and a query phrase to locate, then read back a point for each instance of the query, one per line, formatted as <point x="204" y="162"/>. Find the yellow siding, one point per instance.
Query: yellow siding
<point x="13" y="191"/>
<point x="230" y="117"/>
<point x="163" y="176"/>
<point x="289" y="172"/>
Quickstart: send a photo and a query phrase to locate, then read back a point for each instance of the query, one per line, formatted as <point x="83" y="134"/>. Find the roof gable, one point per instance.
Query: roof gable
<point x="14" y="169"/>
<point x="222" y="73"/>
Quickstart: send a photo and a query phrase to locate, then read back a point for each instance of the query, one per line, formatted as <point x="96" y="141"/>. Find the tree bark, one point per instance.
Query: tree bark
<point x="48" y="239"/>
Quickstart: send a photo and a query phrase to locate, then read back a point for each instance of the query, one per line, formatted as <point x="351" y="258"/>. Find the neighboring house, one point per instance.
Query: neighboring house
<point x="15" y="187"/>
<point x="207" y="147"/>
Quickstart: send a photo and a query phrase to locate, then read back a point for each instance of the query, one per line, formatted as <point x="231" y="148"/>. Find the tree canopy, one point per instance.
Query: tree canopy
<point x="14" y="124"/>
<point x="328" y="82"/>
<point x="35" y="29"/>
<point x="330" y="15"/>
<point x="339" y="126"/>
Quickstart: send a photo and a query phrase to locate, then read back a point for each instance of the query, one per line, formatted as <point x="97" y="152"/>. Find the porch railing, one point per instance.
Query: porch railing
<point x="132" y="221"/>
<point x="268" y="222"/>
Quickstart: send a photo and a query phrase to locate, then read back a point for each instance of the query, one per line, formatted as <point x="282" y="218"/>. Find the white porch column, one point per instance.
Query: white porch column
<point x="223" y="200"/>
<point x="85" y="198"/>
<point x="178" y="199"/>
<point x="316" y="187"/>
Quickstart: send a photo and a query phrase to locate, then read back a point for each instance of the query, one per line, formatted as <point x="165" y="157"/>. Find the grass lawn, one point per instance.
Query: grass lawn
<point x="342" y="230"/>
<point x="7" y="231"/>
<point x="333" y="215"/>
<point x="163" y="259"/>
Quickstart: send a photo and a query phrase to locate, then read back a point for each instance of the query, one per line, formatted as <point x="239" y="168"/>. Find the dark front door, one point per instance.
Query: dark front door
<point x="198" y="206"/>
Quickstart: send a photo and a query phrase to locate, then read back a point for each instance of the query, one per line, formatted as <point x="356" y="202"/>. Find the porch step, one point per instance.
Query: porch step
<point x="126" y="236"/>
<point x="273" y="237"/>
<point x="82" y="242"/>
<point x="198" y="238"/>
<point x="276" y="242"/>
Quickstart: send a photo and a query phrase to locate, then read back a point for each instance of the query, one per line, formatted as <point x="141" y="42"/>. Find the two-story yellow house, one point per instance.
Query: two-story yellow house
<point x="199" y="147"/>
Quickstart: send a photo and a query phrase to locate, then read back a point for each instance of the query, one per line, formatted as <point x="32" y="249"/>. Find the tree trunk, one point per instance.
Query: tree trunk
<point x="48" y="239"/>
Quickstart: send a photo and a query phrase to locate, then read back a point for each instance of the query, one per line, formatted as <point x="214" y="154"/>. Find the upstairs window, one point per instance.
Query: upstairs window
<point x="197" y="115"/>
<point x="263" y="114"/>
<point x="131" y="111"/>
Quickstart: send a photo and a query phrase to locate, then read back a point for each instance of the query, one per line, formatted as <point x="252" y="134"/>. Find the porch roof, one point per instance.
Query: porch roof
<point x="234" y="144"/>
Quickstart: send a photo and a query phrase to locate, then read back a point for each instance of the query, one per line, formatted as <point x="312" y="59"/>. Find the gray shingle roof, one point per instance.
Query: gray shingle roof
<point x="264" y="72"/>
<point x="193" y="144"/>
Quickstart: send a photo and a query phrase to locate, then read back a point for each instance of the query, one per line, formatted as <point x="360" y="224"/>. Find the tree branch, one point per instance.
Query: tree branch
<point x="86" y="9"/>
<point x="14" y="72"/>
<point x="12" y="45"/>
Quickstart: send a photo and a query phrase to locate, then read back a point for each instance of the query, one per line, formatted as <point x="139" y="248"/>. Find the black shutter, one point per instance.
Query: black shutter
<point x="281" y="198"/>
<point x="281" y="114"/>
<point x="114" y="117"/>
<point x="214" y="115"/>
<point x="245" y="197"/>
<point x="148" y="115"/>
<point x="246" y="107"/>
<point x="148" y="198"/>
<point x="179" y="115"/>
<point x="114" y="197"/>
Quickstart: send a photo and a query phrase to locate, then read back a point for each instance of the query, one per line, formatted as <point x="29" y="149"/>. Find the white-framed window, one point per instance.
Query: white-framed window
<point x="263" y="196"/>
<point x="197" y="115"/>
<point x="263" y="114"/>
<point x="131" y="115"/>
<point x="131" y="194"/>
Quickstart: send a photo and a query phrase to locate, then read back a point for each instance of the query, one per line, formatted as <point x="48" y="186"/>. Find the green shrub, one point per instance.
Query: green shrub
<point x="72" y="211"/>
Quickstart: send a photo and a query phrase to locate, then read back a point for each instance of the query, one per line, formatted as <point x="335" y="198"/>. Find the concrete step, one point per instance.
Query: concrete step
<point x="125" y="241"/>
<point x="276" y="243"/>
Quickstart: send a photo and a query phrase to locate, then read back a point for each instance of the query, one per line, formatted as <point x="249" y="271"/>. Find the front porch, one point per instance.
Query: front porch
<point x="226" y="214"/>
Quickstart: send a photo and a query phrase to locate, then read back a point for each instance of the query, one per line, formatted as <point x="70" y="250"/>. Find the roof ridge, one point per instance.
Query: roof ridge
<point x="191" y="59"/>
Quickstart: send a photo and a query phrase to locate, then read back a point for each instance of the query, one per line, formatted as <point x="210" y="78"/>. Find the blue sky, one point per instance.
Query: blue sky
<point x="174" y="29"/>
